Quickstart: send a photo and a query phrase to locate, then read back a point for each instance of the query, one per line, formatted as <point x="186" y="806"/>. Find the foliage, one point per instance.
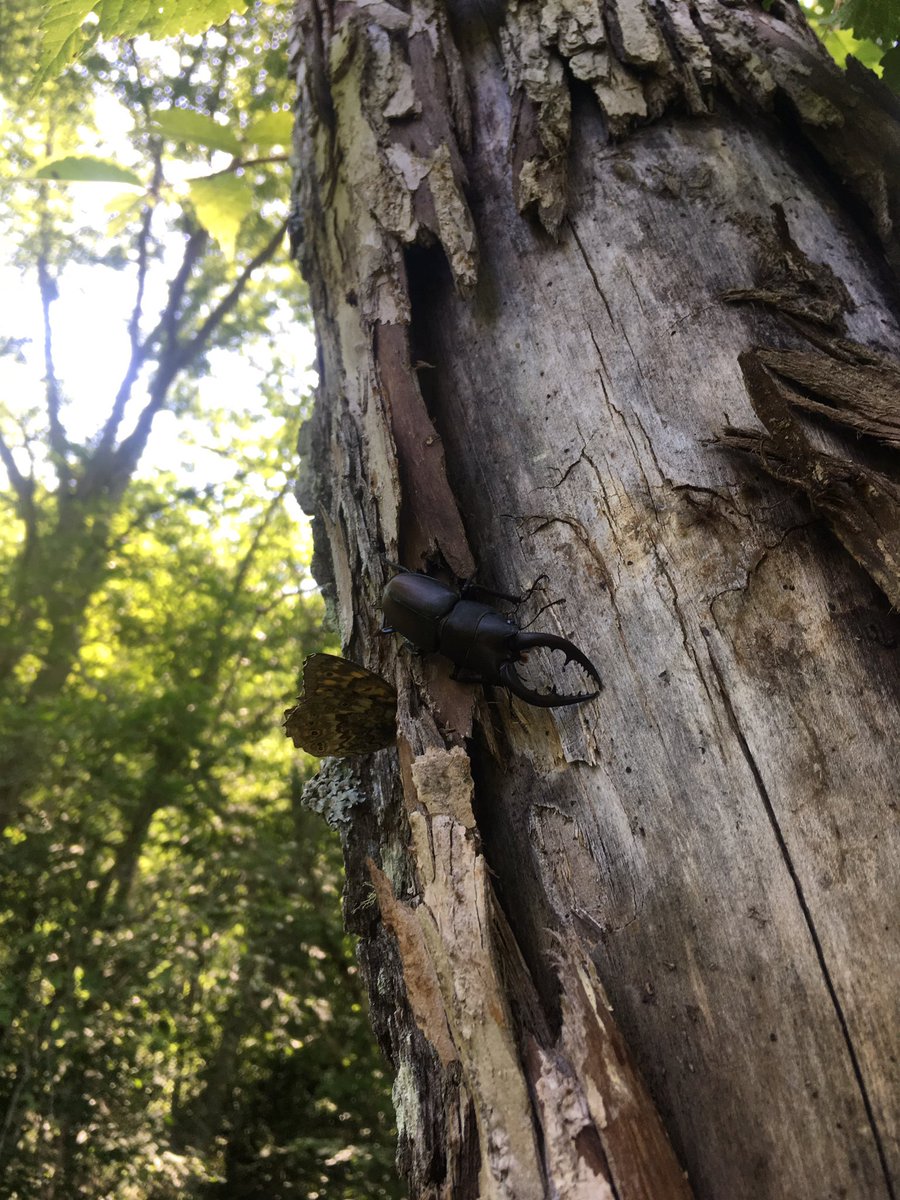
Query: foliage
<point x="869" y="30"/>
<point x="179" y="1009"/>
<point x="173" y="960"/>
<point x="62" y="23"/>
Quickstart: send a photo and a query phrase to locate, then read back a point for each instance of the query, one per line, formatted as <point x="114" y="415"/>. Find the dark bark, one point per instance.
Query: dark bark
<point x="531" y="339"/>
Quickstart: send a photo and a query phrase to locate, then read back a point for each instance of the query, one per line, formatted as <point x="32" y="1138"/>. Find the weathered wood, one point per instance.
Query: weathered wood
<point x="860" y="504"/>
<point x="845" y="385"/>
<point x="712" y="845"/>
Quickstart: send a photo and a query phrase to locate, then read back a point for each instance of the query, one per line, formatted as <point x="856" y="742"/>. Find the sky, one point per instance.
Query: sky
<point x="91" y="352"/>
<point x="91" y="344"/>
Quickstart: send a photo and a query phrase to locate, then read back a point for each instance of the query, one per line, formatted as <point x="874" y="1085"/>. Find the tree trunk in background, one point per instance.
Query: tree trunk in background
<point x="538" y="238"/>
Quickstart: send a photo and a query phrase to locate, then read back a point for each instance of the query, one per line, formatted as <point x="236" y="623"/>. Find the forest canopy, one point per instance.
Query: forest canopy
<point x="180" y="1013"/>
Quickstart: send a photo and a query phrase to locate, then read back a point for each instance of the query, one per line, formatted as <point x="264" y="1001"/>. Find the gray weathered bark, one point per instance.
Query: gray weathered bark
<point x="543" y="242"/>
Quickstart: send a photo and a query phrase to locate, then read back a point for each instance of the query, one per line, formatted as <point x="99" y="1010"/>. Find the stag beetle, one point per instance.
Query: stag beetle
<point x="482" y="643"/>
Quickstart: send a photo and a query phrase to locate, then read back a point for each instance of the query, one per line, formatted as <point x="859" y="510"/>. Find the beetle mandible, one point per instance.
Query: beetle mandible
<point x="482" y="643"/>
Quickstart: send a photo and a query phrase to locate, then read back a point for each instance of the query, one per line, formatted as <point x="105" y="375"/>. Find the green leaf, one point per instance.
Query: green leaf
<point x="61" y="22"/>
<point x="60" y="25"/>
<point x="874" y="20"/>
<point x="185" y="125"/>
<point x="170" y="17"/>
<point x="79" y="168"/>
<point x="221" y="203"/>
<point x="162" y="18"/>
<point x="123" y="208"/>
<point x="274" y="129"/>
<point x="841" y="44"/>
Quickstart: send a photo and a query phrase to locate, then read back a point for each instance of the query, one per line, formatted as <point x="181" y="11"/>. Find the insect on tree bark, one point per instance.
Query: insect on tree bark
<point x="606" y="291"/>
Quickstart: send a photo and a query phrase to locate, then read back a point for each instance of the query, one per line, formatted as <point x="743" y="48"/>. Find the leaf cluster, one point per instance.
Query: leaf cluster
<point x="63" y="32"/>
<point x="177" y="997"/>
<point x="869" y="30"/>
<point x="180" y="1013"/>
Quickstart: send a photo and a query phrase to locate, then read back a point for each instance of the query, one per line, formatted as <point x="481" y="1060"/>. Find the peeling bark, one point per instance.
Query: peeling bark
<point x="848" y="385"/>
<point x="861" y="505"/>
<point x="705" y="853"/>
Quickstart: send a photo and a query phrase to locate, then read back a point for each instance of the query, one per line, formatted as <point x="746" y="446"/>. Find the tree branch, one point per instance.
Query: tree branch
<point x="153" y="509"/>
<point x="241" y="164"/>
<point x="166" y="327"/>
<point x="143" y="242"/>
<point x="58" y="442"/>
<point x="263" y="610"/>
<point x="220" y="86"/>
<point x="143" y="246"/>
<point x="179" y="356"/>
<point x="21" y="483"/>
<point x="240" y="575"/>
<point x="198" y="342"/>
<point x="22" y="610"/>
<point x="212" y="667"/>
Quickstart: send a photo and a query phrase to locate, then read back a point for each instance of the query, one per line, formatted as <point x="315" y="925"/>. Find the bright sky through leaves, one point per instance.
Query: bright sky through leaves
<point x="90" y="338"/>
<point x="91" y="348"/>
<point x="89" y="318"/>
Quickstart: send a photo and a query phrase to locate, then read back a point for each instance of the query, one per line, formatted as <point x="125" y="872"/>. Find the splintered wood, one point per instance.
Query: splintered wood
<point x="579" y="1097"/>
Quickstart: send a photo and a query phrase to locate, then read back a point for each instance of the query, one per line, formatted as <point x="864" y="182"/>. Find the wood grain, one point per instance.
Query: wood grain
<point x="727" y="822"/>
<point x="712" y="845"/>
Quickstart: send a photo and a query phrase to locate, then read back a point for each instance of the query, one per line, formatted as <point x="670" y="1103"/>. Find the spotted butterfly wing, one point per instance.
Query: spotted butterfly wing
<point x="344" y="709"/>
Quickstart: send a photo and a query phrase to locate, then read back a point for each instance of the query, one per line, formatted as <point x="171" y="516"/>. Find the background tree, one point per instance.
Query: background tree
<point x="546" y="245"/>
<point x="180" y="1012"/>
<point x="66" y="509"/>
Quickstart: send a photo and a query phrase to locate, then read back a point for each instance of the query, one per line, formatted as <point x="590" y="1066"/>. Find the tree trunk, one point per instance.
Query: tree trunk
<point x="537" y="240"/>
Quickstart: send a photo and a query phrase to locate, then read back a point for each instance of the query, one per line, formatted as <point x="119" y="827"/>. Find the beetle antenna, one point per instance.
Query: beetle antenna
<point x="470" y="586"/>
<point x="534" y="587"/>
<point x="549" y="604"/>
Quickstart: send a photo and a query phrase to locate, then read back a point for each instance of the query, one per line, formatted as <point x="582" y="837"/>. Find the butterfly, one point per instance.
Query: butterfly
<point x="344" y="709"/>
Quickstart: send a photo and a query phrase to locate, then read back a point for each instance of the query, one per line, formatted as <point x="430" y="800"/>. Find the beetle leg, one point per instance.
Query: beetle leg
<point x="471" y="586"/>
<point x="406" y="644"/>
<point x="461" y="675"/>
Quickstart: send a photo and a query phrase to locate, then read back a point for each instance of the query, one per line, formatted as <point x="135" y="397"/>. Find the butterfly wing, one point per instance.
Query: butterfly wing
<point x="344" y="709"/>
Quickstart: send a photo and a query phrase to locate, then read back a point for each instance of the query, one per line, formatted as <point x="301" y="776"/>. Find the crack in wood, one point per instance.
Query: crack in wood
<point x="587" y="262"/>
<point x="761" y="556"/>
<point x="808" y="920"/>
<point x="861" y="505"/>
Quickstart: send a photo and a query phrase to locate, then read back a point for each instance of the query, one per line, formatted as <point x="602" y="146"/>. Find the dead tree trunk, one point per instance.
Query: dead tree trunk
<point x="604" y="290"/>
